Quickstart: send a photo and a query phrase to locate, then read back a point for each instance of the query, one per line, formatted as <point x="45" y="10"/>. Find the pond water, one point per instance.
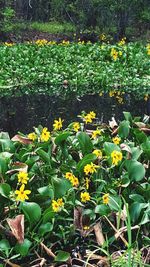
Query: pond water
<point x="23" y="112"/>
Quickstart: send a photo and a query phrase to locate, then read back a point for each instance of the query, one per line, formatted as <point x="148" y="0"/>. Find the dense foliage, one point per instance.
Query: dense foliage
<point x="85" y="67"/>
<point x="64" y="182"/>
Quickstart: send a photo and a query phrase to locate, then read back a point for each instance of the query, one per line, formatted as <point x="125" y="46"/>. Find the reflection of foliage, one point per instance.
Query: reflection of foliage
<point x="44" y="182"/>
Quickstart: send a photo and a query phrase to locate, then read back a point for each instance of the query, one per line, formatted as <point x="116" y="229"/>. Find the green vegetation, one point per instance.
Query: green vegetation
<point x="53" y="27"/>
<point x="99" y="176"/>
<point x="83" y="68"/>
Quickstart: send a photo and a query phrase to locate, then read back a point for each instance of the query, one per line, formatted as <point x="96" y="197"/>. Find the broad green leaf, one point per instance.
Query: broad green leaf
<point x="46" y="191"/>
<point x="32" y="211"/>
<point x="114" y="203"/>
<point x="124" y="129"/>
<point x="102" y="209"/>
<point x="127" y="116"/>
<point x="5" y="190"/>
<point x="62" y="256"/>
<point x="61" y="138"/>
<point x="135" y="210"/>
<point x="45" y="228"/>
<point x="135" y="169"/>
<point x="44" y="155"/>
<point x="5" y="246"/>
<point x="85" y="142"/>
<point x="60" y="186"/>
<point x="23" y="248"/>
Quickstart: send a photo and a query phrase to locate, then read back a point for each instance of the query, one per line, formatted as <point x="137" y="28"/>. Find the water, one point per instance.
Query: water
<point x="23" y="112"/>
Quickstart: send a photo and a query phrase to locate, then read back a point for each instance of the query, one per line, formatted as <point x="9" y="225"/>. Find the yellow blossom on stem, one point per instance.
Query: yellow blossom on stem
<point x="75" y="181"/>
<point x="57" y="124"/>
<point x="57" y="205"/>
<point x="98" y="153"/>
<point x="22" y="194"/>
<point x="23" y="177"/>
<point x="105" y="199"/>
<point x="87" y="182"/>
<point x="76" y="126"/>
<point x="87" y="118"/>
<point x="116" y="140"/>
<point x="90" y="168"/>
<point x="96" y="133"/>
<point x="45" y="135"/>
<point x="116" y="157"/>
<point x="32" y="136"/>
<point x="85" y="196"/>
<point x="92" y="114"/>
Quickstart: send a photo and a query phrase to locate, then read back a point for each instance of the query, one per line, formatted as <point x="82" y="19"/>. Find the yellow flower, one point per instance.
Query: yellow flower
<point x="96" y="133"/>
<point x="120" y="53"/>
<point x="60" y="202"/>
<point x="69" y="176"/>
<point x="92" y="114"/>
<point x="116" y="140"/>
<point x="75" y="181"/>
<point x="116" y="157"/>
<point x="85" y="196"/>
<point x="23" y="177"/>
<point x="101" y="94"/>
<point x="57" y="124"/>
<point x="114" y="54"/>
<point x="102" y="37"/>
<point x="57" y="205"/>
<point x="22" y="194"/>
<point x="32" y="136"/>
<point x="111" y="93"/>
<point x="105" y="199"/>
<point x="90" y="168"/>
<point x="8" y="44"/>
<point x="86" y="227"/>
<point x="41" y="42"/>
<point x="88" y="118"/>
<point x="146" y="97"/>
<point x="76" y="126"/>
<point x="122" y="41"/>
<point x="98" y="153"/>
<point x="45" y="135"/>
<point x="87" y="182"/>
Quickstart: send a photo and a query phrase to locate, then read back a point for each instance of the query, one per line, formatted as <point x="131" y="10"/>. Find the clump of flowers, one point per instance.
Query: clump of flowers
<point x="116" y="140"/>
<point x="85" y="197"/>
<point x="114" y="54"/>
<point x="72" y="178"/>
<point x="41" y="42"/>
<point x="148" y="49"/>
<point x="57" y="125"/>
<point x="57" y="205"/>
<point x="88" y="118"/>
<point x="116" y="157"/>
<point x="45" y="135"/>
<point x="122" y="41"/>
<point x="32" y="136"/>
<point x="90" y="168"/>
<point x="23" y="177"/>
<point x="76" y="126"/>
<point x="22" y="194"/>
<point x="96" y="133"/>
<point x="98" y="153"/>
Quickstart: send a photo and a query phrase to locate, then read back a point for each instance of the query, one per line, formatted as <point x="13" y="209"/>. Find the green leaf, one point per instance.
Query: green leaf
<point x="60" y="186"/>
<point x="114" y="203"/>
<point x="135" y="169"/>
<point x="4" y="246"/>
<point x="86" y="160"/>
<point x="61" y="138"/>
<point x="45" y="228"/>
<point x="135" y="210"/>
<point x="62" y="256"/>
<point x="46" y="191"/>
<point x="124" y="129"/>
<point x="110" y="147"/>
<point x="85" y="142"/>
<point x="136" y="152"/>
<point x="32" y="211"/>
<point x="3" y="166"/>
<point x="5" y="190"/>
<point x="23" y="248"/>
<point x="127" y="116"/>
<point x="102" y="209"/>
<point x="44" y="155"/>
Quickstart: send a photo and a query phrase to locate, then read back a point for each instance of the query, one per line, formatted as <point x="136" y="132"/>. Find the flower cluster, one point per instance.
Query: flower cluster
<point x="76" y="126"/>
<point x="90" y="168"/>
<point x="148" y="49"/>
<point x="73" y="179"/>
<point x="96" y="133"/>
<point x="122" y="41"/>
<point x="88" y="118"/>
<point x="85" y="196"/>
<point x="116" y="157"/>
<point x="116" y="140"/>
<point x="57" y="205"/>
<point x="98" y="153"/>
<point x="22" y="194"/>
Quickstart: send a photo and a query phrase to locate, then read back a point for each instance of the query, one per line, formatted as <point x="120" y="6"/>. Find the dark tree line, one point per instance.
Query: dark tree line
<point x="111" y="14"/>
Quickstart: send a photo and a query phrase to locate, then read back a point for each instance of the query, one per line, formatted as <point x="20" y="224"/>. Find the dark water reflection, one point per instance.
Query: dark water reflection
<point x="24" y="112"/>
